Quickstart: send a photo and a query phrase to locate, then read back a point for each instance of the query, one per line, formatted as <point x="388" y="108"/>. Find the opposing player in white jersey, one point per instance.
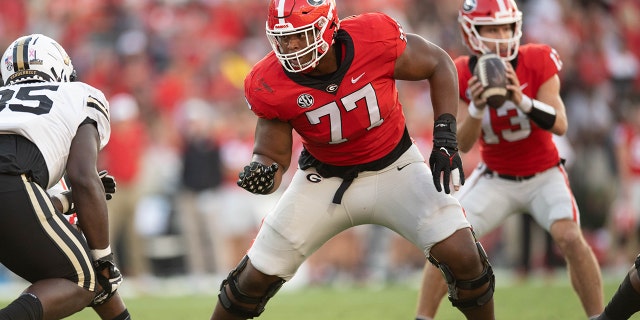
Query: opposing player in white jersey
<point x="50" y="126"/>
<point x="521" y="170"/>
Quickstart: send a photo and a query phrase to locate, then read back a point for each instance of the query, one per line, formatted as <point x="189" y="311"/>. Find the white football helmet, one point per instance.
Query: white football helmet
<point x="476" y="13"/>
<point x="36" y="57"/>
<point x="313" y="20"/>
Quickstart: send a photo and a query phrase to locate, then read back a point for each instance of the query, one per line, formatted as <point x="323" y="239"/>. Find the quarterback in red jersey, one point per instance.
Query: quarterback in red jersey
<point x="333" y="82"/>
<point x="521" y="171"/>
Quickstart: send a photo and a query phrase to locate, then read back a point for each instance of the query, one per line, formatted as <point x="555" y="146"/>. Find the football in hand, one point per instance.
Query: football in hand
<point x="492" y="73"/>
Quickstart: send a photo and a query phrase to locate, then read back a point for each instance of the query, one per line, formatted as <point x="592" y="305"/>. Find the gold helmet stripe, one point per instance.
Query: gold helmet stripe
<point x="21" y="54"/>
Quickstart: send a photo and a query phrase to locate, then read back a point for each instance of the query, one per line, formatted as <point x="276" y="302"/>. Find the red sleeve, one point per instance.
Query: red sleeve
<point x="380" y="33"/>
<point x="542" y="58"/>
<point x="258" y="94"/>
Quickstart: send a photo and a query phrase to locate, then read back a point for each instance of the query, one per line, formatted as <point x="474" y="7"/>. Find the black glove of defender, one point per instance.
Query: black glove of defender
<point x="108" y="283"/>
<point x="445" y="159"/>
<point x="258" y="178"/>
<point x="109" y="183"/>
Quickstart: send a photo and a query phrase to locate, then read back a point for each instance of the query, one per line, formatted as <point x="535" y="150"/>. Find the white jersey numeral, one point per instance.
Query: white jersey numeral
<point x="349" y="102"/>
<point x="521" y="121"/>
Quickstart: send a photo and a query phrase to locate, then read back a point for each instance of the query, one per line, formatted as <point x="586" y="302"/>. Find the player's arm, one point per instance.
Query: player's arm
<point x="546" y="109"/>
<point x="469" y="128"/>
<point x="422" y="60"/>
<point x="88" y="193"/>
<point x="273" y="145"/>
<point x="549" y="93"/>
<point x="91" y="206"/>
<point x="62" y="198"/>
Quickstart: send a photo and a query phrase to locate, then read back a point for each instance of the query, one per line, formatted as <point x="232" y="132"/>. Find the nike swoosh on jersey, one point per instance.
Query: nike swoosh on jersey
<point x="354" y="80"/>
<point x="403" y="166"/>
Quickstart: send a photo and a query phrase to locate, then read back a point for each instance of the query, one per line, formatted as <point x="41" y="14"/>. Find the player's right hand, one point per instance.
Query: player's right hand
<point x="258" y="178"/>
<point x="109" y="278"/>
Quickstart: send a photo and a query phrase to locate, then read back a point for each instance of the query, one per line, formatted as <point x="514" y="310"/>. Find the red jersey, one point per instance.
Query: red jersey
<point x="511" y="143"/>
<point x="350" y="117"/>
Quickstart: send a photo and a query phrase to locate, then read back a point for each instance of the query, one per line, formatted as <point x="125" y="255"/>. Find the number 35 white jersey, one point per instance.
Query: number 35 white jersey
<point x="49" y="114"/>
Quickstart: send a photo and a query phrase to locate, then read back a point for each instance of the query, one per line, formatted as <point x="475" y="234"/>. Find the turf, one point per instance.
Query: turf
<point x="529" y="300"/>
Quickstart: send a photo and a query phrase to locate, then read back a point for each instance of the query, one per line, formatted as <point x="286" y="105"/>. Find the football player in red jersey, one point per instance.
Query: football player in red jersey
<point x="333" y="81"/>
<point x="521" y="170"/>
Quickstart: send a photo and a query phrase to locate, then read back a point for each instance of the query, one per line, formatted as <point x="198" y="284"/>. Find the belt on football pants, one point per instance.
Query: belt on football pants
<point x="488" y="171"/>
<point x="507" y="176"/>
<point x="350" y="173"/>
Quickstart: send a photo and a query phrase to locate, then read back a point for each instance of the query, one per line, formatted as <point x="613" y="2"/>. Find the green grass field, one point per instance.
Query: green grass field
<point x="530" y="300"/>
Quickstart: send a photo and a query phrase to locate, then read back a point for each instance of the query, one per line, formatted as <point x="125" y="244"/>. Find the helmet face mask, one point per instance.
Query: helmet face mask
<point x="478" y="13"/>
<point x="36" y="58"/>
<point x="311" y="22"/>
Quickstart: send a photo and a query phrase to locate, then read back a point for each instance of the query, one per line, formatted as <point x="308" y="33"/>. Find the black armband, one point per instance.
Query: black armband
<point x="539" y="112"/>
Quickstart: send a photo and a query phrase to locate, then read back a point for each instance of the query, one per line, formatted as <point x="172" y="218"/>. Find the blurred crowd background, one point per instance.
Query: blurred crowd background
<point x="173" y="71"/>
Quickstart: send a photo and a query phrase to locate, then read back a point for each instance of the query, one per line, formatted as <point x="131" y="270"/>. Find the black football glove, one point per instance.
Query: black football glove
<point x="109" y="183"/>
<point x="445" y="159"/>
<point x="109" y="282"/>
<point x="258" y="178"/>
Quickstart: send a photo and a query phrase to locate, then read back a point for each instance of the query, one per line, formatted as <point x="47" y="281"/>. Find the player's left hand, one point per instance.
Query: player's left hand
<point x="109" y="278"/>
<point x="109" y="183"/>
<point x="445" y="159"/>
<point x="513" y="85"/>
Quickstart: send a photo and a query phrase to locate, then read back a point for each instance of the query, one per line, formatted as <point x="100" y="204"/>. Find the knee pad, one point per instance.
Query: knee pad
<point x="230" y="301"/>
<point x="454" y="285"/>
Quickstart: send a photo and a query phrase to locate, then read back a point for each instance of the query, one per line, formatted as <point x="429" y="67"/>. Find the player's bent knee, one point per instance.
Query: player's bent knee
<point x="236" y="301"/>
<point x="454" y="285"/>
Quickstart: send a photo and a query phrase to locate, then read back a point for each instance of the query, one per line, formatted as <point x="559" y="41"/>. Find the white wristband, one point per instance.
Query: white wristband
<point x="526" y="104"/>
<point x="476" y="113"/>
<point x="66" y="205"/>
<point x="101" y="253"/>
